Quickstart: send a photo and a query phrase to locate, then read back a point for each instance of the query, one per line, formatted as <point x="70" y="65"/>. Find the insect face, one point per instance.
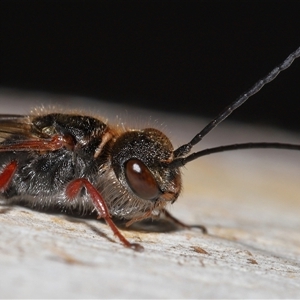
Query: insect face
<point x="141" y="182"/>
<point x="139" y="160"/>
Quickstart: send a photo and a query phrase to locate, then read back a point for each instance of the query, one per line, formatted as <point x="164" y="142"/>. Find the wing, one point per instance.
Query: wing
<point x="18" y="133"/>
<point x="16" y="125"/>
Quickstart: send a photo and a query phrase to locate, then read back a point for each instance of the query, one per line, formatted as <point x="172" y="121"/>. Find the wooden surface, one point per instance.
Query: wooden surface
<point x="249" y="201"/>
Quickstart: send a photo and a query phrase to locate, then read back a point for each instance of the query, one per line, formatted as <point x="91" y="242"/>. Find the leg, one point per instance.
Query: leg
<point x="72" y="191"/>
<point x="55" y="143"/>
<point x="7" y="174"/>
<point x="146" y="215"/>
<point x="181" y="224"/>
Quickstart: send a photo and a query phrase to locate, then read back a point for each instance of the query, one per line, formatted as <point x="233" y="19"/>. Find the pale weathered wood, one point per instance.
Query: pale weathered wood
<point x="249" y="201"/>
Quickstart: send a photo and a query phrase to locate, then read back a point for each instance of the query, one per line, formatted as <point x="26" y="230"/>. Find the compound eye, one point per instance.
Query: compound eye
<point x="141" y="180"/>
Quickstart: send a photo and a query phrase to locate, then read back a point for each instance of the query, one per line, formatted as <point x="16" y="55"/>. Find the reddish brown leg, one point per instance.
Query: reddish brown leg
<point x="72" y="191"/>
<point x="7" y="174"/>
<point x="55" y="143"/>
<point x="146" y="215"/>
<point x="181" y="224"/>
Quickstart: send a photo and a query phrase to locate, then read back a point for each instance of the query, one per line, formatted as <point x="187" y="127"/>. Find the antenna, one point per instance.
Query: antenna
<point x="179" y="153"/>
<point x="181" y="161"/>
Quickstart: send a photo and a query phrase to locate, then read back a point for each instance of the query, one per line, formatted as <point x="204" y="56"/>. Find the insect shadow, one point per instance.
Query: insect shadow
<point x="146" y="226"/>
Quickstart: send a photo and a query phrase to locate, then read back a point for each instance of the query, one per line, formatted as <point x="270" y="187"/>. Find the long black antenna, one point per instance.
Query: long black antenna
<point x="186" y="148"/>
<point x="181" y="161"/>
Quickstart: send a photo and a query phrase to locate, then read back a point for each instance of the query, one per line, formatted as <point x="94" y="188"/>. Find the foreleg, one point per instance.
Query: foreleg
<point x="72" y="191"/>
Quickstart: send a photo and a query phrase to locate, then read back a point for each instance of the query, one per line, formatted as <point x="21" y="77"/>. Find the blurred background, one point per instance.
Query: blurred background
<point x="192" y="57"/>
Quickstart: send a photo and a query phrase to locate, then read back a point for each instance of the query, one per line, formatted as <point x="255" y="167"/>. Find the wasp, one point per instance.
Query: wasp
<point x="78" y="162"/>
